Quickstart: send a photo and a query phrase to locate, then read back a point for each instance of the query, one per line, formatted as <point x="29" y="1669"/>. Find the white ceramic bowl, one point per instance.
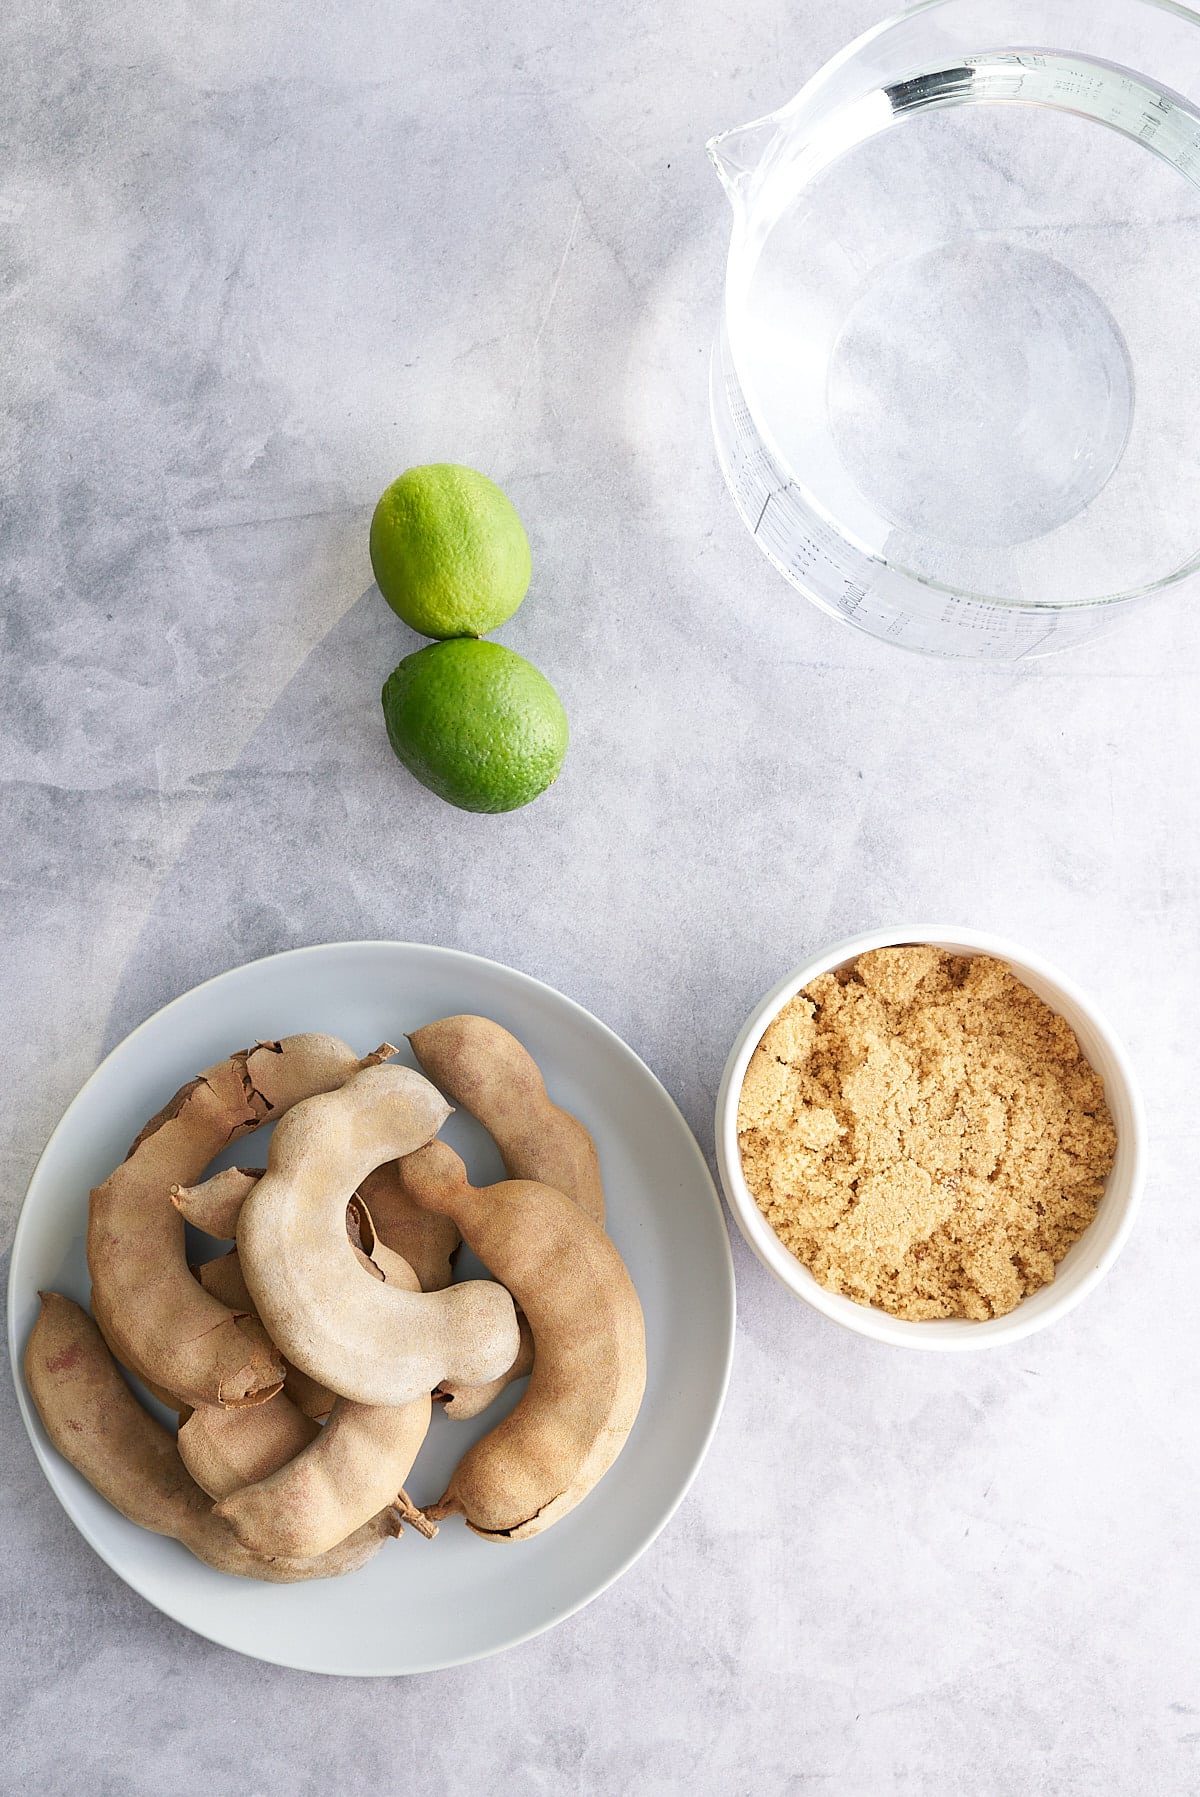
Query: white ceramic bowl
<point x="1088" y="1259"/>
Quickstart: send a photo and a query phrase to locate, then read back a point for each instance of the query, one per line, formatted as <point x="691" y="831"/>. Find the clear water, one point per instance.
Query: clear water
<point x="951" y="350"/>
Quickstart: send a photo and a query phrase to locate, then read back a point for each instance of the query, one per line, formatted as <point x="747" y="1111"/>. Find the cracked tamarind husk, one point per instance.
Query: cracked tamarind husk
<point x="426" y="1241"/>
<point x="223" y="1278"/>
<point x="589" y="1364"/>
<point x="159" y="1322"/>
<point x="482" y="1067"/>
<point x="97" y="1424"/>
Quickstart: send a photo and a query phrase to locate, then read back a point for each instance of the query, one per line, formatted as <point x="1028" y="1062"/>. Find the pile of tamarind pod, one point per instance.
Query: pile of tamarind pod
<point x="304" y="1363"/>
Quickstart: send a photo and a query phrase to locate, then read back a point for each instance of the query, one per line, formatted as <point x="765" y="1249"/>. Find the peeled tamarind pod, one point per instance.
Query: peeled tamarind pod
<point x="223" y="1278"/>
<point x="589" y="1360"/>
<point x="161" y="1324"/>
<point x="483" y="1068"/>
<point x="215" y="1204"/>
<point x="366" y="1339"/>
<point x="427" y="1242"/>
<point x="462" y="1402"/>
<point x="352" y="1468"/>
<point x="226" y="1449"/>
<point x="97" y="1425"/>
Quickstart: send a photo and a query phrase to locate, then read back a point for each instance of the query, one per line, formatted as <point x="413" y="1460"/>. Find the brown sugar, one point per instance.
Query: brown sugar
<point x="924" y="1133"/>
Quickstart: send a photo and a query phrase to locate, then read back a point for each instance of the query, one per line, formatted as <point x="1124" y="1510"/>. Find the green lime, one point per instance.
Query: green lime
<point x="476" y="723"/>
<point x="449" y="553"/>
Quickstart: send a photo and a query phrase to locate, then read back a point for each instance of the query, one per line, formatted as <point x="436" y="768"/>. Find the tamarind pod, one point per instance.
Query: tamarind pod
<point x="355" y="1467"/>
<point x="365" y="1339"/>
<point x="482" y="1067"/>
<point x="152" y="1312"/>
<point x="310" y="1397"/>
<point x="214" y="1204"/>
<point x="351" y="1469"/>
<point x="97" y="1425"/>
<point x="426" y="1241"/>
<point x="223" y="1278"/>
<point x="162" y="1326"/>
<point x="226" y="1449"/>
<point x="462" y="1402"/>
<point x="282" y="1073"/>
<point x="589" y="1359"/>
<point x="166" y="1398"/>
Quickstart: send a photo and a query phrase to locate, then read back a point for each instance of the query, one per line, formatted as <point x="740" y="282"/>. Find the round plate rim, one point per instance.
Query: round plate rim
<point x="467" y="959"/>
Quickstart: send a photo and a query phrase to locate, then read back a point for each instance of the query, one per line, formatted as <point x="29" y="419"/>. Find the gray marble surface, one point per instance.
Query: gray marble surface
<point x="255" y="261"/>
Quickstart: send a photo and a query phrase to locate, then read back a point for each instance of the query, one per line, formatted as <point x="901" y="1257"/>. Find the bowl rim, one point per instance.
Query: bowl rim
<point x="952" y="1335"/>
<point x="809" y="96"/>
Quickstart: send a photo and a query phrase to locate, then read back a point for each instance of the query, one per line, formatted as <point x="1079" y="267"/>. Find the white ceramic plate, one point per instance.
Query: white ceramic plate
<point x="418" y="1605"/>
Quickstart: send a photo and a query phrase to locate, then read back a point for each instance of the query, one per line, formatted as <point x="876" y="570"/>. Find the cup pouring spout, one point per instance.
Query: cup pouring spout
<point x="738" y="154"/>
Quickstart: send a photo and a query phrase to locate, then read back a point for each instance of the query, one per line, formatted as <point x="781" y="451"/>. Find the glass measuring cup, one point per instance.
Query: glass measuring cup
<point x="956" y="390"/>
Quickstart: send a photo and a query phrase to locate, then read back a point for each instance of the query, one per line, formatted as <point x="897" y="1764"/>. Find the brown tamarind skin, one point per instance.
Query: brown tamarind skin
<point x="160" y="1323"/>
<point x="97" y="1425"/>
<point x="426" y="1241"/>
<point x="343" y="1474"/>
<point x="589" y="1349"/>
<point x="482" y="1067"/>
<point x="463" y="1402"/>
<point x="226" y="1449"/>
<point x="223" y="1278"/>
